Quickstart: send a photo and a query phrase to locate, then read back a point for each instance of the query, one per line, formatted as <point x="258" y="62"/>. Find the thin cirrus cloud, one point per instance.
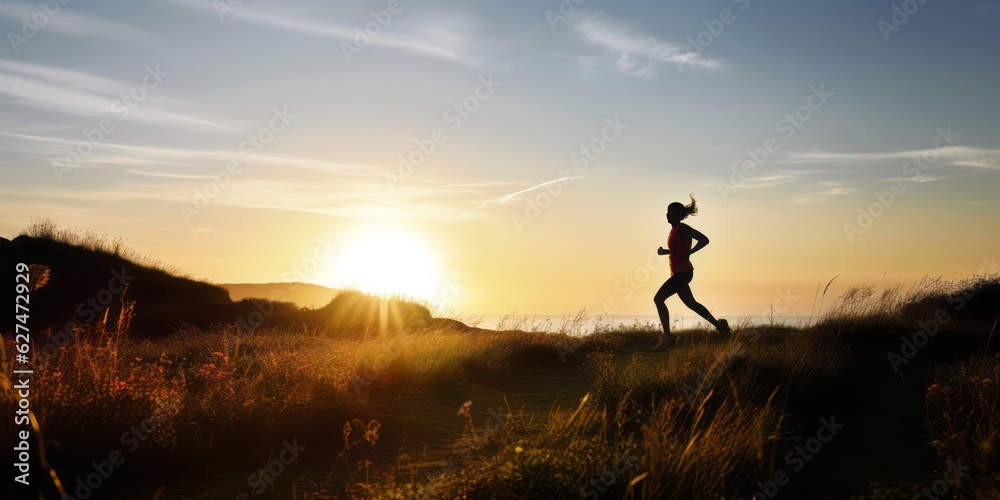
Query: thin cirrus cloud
<point x="437" y="41"/>
<point x="79" y="93"/>
<point x="207" y="228"/>
<point x="766" y="179"/>
<point x="71" y="23"/>
<point x="499" y="200"/>
<point x="188" y="160"/>
<point x="915" y="165"/>
<point x="359" y="202"/>
<point x="629" y="51"/>
<point x="248" y="193"/>
<point x="824" y="196"/>
<point x="948" y="155"/>
<point x="167" y="177"/>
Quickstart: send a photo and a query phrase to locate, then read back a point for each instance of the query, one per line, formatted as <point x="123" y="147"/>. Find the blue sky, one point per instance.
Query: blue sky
<point x="689" y="116"/>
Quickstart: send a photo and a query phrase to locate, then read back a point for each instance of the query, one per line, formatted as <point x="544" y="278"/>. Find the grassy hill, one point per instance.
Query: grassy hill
<point x="305" y="295"/>
<point x="91" y="280"/>
<point x="889" y="396"/>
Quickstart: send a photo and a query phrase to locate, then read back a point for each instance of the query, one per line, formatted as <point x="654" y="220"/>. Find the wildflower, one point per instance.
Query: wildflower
<point x="117" y="387"/>
<point x="464" y="410"/>
<point x="371" y="432"/>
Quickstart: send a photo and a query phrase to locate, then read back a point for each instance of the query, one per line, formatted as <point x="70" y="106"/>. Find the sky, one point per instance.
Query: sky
<point x="517" y="156"/>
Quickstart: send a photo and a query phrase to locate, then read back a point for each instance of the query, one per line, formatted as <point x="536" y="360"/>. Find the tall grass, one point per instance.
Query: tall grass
<point x="640" y="432"/>
<point x="47" y="229"/>
<point x="703" y="420"/>
<point x="963" y="411"/>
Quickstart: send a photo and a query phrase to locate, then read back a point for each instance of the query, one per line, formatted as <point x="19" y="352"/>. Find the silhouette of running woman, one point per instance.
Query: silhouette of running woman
<point x="679" y="250"/>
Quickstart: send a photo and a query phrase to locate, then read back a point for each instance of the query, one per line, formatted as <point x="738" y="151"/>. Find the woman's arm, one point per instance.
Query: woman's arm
<point x="702" y="240"/>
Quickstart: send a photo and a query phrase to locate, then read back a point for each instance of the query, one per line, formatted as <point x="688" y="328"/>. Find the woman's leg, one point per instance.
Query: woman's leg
<point x="688" y="298"/>
<point x="670" y="287"/>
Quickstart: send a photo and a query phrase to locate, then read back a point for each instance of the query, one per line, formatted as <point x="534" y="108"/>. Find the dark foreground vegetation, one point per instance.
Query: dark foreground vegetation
<point x="891" y="395"/>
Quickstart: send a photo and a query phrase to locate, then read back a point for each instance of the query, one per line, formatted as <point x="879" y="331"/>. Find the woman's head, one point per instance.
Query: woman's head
<point x="678" y="211"/>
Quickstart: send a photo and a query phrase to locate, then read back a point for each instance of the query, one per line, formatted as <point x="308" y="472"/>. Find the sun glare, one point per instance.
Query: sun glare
<point x="387" y="261"/>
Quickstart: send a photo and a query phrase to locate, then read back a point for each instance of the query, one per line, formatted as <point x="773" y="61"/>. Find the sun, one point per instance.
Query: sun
<point x="387" y="261"/>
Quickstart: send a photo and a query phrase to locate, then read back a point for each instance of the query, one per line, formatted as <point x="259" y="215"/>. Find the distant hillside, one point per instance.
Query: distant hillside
<point x="89" y="281"/>
<point x="301" y="294"/>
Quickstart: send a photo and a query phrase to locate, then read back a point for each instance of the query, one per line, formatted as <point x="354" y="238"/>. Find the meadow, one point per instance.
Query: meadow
<point x="882" y="398"/>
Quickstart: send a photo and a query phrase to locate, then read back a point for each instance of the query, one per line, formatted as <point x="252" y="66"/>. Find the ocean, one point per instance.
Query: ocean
<point x="583" y="325"/>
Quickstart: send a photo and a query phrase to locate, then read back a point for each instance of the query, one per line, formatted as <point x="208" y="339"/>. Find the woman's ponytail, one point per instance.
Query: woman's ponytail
<point x="691" y="208"/>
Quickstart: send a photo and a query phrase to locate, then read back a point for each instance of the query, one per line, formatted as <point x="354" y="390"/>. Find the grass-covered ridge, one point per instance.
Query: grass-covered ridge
<point x="437" y="410"/>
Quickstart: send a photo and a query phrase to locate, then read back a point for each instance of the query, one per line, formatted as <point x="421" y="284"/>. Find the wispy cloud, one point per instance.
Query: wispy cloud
<point x="199" y="231"/>
<point x="166" y="175"/>
<point x="356" y="198"/>
<point x="981" y="163"/>
<point x="771" y="178"/>
<point x="432" y="41"/>
<point x="362" y="197"/>
<point x="632" y="52"/>
<point x="949" y="155"/>
<point x="74" y="92"/>
<point x="919" y="178"/>
<point x="80" y="24"/>
<point x="824" y="196"/>
<point x="919" y="166"/>
<point x="499" y="200"/>
<point x="185" y="160"/>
